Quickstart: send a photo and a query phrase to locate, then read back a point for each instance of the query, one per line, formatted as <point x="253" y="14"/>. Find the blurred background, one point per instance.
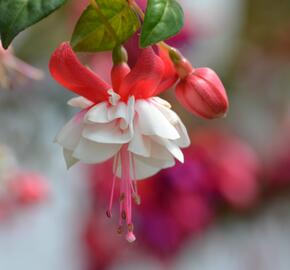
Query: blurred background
<point x="227" y="207"/>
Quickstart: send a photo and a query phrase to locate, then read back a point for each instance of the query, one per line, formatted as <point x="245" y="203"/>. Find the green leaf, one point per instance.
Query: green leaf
<point x="163" y="19"/>
<point x="92" y="35"/>
<point x="17" y="15"/>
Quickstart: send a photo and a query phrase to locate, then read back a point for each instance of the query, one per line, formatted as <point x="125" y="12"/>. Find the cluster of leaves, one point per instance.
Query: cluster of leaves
<point x="102" y="26"/>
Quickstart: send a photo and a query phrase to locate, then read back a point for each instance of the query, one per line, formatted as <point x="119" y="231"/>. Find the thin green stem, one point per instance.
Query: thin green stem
<point x="137" y="9"/>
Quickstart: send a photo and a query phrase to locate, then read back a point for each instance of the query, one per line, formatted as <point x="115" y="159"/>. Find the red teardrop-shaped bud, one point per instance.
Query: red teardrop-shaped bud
<point x="118" y="73"/>
<point x="203" y="94"/>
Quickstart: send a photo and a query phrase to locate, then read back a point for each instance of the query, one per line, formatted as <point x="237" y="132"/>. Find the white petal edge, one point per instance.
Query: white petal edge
<point x="70" y="134"/>
<point x="80" y="102"/>
<point x="92" y="152"/>
<point x="152" y="122"/>
<point x="69" y="159"/>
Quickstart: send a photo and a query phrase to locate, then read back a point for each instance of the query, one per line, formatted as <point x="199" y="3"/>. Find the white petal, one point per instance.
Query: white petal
<point x="80" y="102"/>
<point x="159" y="151"/>
<point x="158" y="163"/>
<point x="119" y="112"/>
<point x="98" y="114"/>
<point x="107" y="133"/>
<point x="161" y="101"/>
<point x="69" y="159"/>
<point x="174" y="119"/>
<point x="131" y="108"/>
<point x="152" y="122"/>
<point x="70" y="134"/>
<point x="140" y="145"/>
<point x="146" y="167"/>
<point x="91" y="152"/>
<point x="171" y="147"/>
<point x="184" y="140"/>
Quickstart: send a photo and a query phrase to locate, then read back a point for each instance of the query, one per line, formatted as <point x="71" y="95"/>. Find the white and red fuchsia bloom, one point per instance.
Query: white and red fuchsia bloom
<point x="125" y="121"/>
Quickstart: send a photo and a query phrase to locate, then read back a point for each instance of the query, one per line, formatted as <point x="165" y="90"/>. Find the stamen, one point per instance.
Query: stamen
<point x="120" y="230"/>
<point x="124" y="216"/>
<point x="130" y="237"/>
<point x="130" y="227"/>
<point x="137" y="199"/>
<point x="135" y="195"/>
<point x="109" y="211"/>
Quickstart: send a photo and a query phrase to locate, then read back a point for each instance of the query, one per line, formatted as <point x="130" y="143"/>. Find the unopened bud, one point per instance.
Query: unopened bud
<point x="203" y="94"/>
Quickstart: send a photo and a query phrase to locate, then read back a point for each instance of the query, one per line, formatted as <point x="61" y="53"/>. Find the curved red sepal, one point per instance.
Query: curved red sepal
<point x="145" y="77"/>
<point x="67" y="70"/>
<point x="170" y="75"/>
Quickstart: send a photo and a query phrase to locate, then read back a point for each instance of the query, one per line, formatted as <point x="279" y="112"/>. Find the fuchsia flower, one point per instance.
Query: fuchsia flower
<point x="201" y="91"/>
<point x="126" y="121"/>
<point x="28" y="188"/>
<point x="11" y="65"/>
<point x="231" y="164"/>
<point x="18" y="187"/>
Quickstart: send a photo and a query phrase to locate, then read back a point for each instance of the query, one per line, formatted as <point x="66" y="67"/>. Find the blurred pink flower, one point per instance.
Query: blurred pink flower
<point x="233" y="164"/>
<point x="18" y="187"/>
<point x="101" y="244"/>
<point x="28" y="188"/>
<point x="12" y="67"/>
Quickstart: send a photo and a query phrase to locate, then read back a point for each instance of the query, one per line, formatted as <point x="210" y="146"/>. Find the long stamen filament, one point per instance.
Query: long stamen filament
<point x="128" y="190"/>
<point x="116" y="162"/>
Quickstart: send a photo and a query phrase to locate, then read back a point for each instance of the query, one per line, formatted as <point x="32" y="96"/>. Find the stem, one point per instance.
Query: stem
<point x="105" y="20"/>
<point x="137" y="9"/>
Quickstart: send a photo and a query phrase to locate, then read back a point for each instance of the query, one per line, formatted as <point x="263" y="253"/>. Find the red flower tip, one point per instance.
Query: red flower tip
<point x="118" y="73"/>
<point x="203" y="94"/>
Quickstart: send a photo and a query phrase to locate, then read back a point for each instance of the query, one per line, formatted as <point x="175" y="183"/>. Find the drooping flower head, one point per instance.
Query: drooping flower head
<point x="125" y="121"/>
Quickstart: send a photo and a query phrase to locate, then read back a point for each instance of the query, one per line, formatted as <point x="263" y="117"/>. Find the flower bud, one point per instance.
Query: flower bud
<point x="118" y="73"/>
<point x="202" y="93"/>
<point x="120" y="68"/>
